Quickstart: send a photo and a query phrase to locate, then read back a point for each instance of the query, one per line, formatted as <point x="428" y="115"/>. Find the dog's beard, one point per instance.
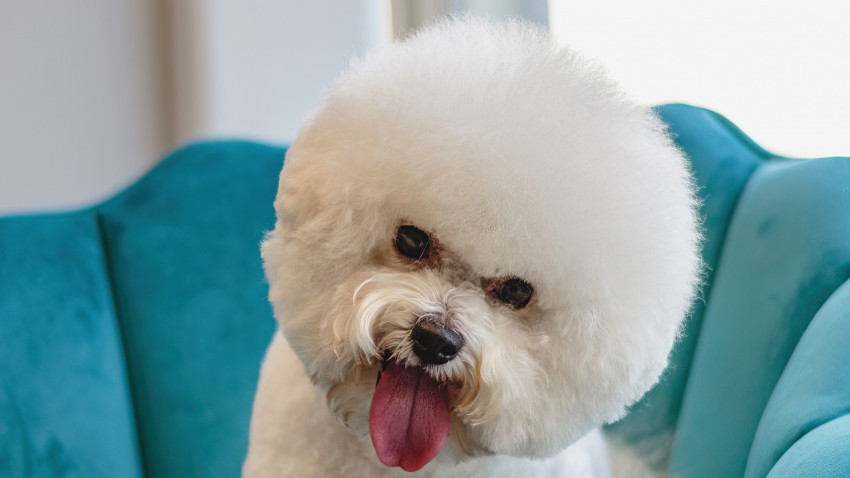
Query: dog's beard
<point x="491" y="373"/>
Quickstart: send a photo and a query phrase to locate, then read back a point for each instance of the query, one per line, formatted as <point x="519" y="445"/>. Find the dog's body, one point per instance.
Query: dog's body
<point x="483" y="252"/>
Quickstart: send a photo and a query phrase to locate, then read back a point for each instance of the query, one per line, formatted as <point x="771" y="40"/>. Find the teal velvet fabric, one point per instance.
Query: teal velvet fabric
<point x="65" y="409"/>
<point x="183" y="248"/>
<point x="722" y="160"/>
<point x="786" y="252"/>
<point x="131" y="333"/>
<point x="820" y="453"/>
<point x="777" y="247"/>
<point x="809" y="410"/>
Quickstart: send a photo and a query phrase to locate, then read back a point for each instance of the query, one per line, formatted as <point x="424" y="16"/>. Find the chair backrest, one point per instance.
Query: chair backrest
<point x="132" y="332"/>
<point x="65" y="407"/>
<point x="761" y="380"/>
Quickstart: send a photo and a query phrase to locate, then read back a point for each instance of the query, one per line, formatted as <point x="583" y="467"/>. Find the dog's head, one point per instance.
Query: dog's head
<point x="481" y="240"/>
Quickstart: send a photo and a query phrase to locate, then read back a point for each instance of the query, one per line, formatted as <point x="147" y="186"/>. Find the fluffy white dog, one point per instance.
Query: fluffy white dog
<point x="483" y="252"/>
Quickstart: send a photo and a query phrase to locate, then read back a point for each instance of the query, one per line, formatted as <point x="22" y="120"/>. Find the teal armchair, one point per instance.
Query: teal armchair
<point x="131" y="333"/>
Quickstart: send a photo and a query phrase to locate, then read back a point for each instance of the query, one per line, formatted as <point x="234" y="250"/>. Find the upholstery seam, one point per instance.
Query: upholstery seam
<point x="812" y="427"/>
<point x="844" y="413"/>
<point x="119" y="329"/>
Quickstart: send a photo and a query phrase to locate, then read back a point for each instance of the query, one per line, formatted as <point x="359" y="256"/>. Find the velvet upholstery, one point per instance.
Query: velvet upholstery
<point x="787" y="251"/>
<point x="777" y="247"/>
<point x="808" y="410"/>
<point x="131" y="332"/>
<point x="722" y="160"/>
<point x="183" y="246"/>
<point x="65" y="408"/>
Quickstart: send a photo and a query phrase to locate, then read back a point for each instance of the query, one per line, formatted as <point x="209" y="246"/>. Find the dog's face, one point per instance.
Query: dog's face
<point x="480" y="243"/>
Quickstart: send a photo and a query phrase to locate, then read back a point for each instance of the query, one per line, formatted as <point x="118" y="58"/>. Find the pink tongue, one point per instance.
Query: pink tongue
<point x="409" y="419"/>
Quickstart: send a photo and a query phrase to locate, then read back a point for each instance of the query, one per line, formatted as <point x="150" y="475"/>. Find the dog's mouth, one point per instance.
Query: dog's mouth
<point x="410" y="417"/>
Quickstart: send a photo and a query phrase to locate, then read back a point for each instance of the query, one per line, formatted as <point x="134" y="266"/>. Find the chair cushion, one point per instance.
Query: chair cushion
<point x="722" y="159"/>
<point x="183" y="246"/>
<point x="820" y="453"/>
<point x="132" y="333"/>
<point x="64" y="403"/>
<point x="786" y="252"/>
<point x="776" y="249"/>
<point x="807" y="419"/>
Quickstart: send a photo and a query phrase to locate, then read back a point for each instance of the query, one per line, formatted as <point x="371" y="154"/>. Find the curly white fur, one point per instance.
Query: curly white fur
<point x="521" y="159"/>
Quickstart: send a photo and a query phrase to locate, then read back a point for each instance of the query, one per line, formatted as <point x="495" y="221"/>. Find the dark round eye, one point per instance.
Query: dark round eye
<point x="516" y="293"/>
<point x="412" y="242"/>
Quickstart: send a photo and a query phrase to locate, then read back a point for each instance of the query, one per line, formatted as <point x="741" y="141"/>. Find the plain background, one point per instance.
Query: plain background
<point x="94" y="92"/>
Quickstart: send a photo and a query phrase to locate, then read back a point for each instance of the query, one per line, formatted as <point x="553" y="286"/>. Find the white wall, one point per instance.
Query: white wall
<point x="82" y="110"/>
<point x="260" y="67"/>
<point x="779" y="69"/>
<point x="94" y="92"/>
<point x="410" y="15"/>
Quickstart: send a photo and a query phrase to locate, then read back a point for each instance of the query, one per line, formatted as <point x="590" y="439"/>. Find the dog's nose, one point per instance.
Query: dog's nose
<point x="435" y="344"/>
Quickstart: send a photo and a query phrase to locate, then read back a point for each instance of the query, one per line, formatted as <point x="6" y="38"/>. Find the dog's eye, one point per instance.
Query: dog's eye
<point x="413" y="242"/>
<point x="516" y="293"/>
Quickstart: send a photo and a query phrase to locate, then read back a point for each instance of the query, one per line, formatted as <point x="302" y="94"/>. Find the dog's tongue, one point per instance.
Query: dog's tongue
<point x="409" y="419"/>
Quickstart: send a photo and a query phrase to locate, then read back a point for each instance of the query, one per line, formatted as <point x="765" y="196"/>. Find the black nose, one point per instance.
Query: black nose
<point x="435" y="344"/>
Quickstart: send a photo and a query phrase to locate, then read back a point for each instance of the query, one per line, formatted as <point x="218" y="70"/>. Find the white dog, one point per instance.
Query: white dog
<point x="483" y="252"/>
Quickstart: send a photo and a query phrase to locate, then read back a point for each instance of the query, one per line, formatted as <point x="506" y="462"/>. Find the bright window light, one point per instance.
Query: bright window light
<point x="778" y="69"/>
